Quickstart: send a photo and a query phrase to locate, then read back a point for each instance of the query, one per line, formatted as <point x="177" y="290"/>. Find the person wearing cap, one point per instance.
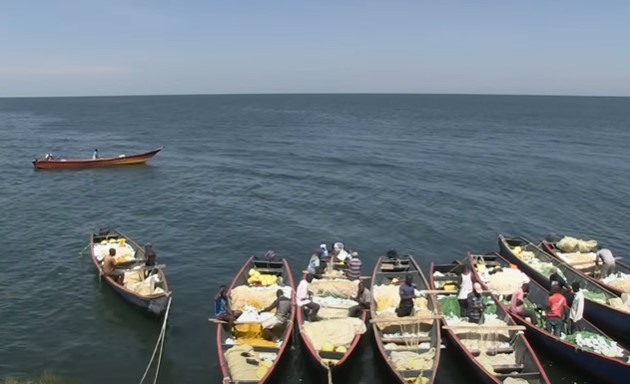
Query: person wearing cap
<point x="606" y="260"/>
<point x="340" y="252"/>
<point x="354" y="266"/>
<point x="315" y="262"/>
<point x="474" y="305"/>
<point x="577" y="309"/>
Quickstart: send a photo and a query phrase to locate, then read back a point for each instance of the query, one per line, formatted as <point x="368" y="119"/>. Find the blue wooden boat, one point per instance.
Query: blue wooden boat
<point x="600" y="312"/>
<point x="588" y="272"/>
<point x="601" y="368"/>
<point x="143" y="286"/>
<point x="428" y="333"/>
<point x="527" y="366"/>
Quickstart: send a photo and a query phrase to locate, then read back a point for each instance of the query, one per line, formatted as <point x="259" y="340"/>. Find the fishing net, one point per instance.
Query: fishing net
<point x="507" y="281"/>
<point x="579" y="260"/>
<point x="620" y="281"/>
<point x="571" y="244"/>
<point x="596" y="343"/>
<point x="334" y="332"/>
<point x="257" y="297"/>
<point x="240" y="369"/>
<point x="343" y="288"/>
<point x="406" y="360"/>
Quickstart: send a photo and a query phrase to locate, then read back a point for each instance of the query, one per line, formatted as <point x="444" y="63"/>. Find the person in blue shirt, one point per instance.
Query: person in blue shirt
<point x="222" y="309"/>
<point x="407" y="293"/>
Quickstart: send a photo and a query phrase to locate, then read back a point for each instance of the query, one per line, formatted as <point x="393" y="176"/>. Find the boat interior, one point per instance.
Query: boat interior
<point x="248" y="355"/>
<point x="420" y="339"/>
<point x="503" y="353"/>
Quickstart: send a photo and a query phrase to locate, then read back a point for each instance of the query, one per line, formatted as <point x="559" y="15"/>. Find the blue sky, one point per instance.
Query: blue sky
<point x="133" y="47"/>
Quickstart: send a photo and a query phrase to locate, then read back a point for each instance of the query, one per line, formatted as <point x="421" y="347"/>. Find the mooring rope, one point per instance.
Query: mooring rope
<point x="330" y="381"/>
<point x="160" y="344"/>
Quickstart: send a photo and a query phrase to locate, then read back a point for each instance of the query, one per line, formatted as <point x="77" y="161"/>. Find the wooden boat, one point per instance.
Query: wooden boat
<point x="234" y="368"/>
<point x="512" y="342"/>
<point x="138" y="158"/>
<point x="145" y="287"/>
<point x="588" y="270"/>
<point x="605" y="311"/>
<point x="332" y="361"/>
<point x="601" y="368"/>
<point x="419" y="334"/>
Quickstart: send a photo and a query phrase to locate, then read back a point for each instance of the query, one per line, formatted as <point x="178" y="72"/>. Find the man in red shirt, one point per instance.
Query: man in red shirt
<point x="556" y="305"/>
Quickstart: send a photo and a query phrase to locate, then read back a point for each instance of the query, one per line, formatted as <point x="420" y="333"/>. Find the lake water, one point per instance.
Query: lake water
<point x="430" y="175"/>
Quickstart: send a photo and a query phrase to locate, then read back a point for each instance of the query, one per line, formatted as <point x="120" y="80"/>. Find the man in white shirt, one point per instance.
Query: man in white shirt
<point x="304" y="298"/>
<point x="577" y="308"/>
<point x="607" y="261"/>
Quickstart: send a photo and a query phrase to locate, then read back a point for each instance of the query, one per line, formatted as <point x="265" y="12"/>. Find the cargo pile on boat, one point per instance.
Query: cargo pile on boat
<point x="530" y="259"/>
<point x="503" y="281"/>
<point x="571" y="244"/>
<point x="596" y="343"/>
<point x="245" y="364"/>
<point x="578" y="260"/>
<point x="387" y="299"/>
<point x="619" y="280"/>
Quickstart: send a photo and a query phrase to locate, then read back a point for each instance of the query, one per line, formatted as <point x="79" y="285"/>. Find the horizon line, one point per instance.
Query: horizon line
<point x="313" y="93"/>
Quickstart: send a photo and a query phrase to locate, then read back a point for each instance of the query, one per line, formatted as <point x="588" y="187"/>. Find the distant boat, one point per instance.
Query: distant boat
<point x="138" y="158"/>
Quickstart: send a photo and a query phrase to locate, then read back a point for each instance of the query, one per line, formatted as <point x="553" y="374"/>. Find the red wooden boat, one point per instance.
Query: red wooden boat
<point x="225" y="340"/>
<point x="138" y="158"/>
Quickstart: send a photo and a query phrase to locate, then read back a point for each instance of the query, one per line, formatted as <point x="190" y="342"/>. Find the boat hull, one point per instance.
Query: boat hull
<point x="399" y="270"/>
<point x="601" y="368"/>
<point x="221" y="334"/>
<point x="533" y="370"/>
<point x="609" y="319"/>
<point x="135" y="159"/>
<point x="153" y="304"/>
<point x="619" y="266"/>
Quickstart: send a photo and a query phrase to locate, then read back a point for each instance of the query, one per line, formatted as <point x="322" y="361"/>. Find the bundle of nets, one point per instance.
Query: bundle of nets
<point x="579" y="260"/>
<point x="406" y="360"/>
<point x="394" y="346"/>
<point x="342" y="288"/>
<point x="571" y="244"/>
<point x="257" y="297"/>
<point x="515" y="380"/>
<point x="596" y="343"/>
<point x="521" y="253"/>
<point x="490" y="326"/>
<point x="333" y="307"/>
<point x="423" y="316"/>
<point x="334" y="332"/>
<point x="620" y="281"/>
<point x="595" y="296"/>
<point x="506" y="281"/>
<point x="240" y="369"/>
<point x="387" y="296"/>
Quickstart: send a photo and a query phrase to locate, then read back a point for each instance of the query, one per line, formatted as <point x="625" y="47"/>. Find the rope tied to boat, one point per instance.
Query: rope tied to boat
<point x="160" y="344"/>
<point x="329" y="374"/>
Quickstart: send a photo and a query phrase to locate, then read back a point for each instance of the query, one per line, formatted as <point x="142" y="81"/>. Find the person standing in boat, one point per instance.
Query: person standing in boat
<point x="556" y="279"/>
<point x="577" y="309"/>
<point x="354" y="266"/>
<point x="364" y="298"/>
<point x="95" y="154"/>
<point x="305" y="298"/>
<point x="475" y="305"/>
<point x="407" y="292"/>
<point x="222" y="310"/>
<point x="516" y="304"/>
<point x="109" y="267"/>
<point x="149" y="256"/>
<point x="283" y="310"/>
<point x="606" y="260"/>
<point x="465" y="287"/>
<point x="556" y="306"/>
<point x="314" y="263"/>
